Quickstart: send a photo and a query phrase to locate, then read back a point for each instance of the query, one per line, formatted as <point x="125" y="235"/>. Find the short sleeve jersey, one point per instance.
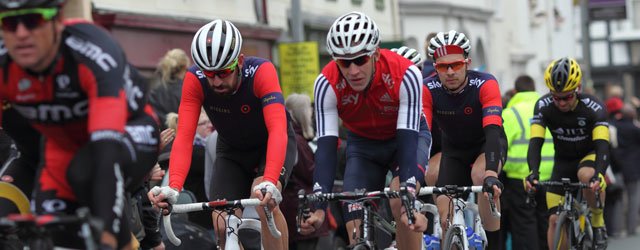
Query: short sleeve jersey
<point x="572" y="131"/>
<point x="463" y="115"/>
<point x="392" y="100"/>
<point x="250" y="118"/>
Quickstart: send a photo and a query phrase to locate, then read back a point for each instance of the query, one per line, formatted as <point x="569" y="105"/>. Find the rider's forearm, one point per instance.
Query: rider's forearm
<point x="407" y="148"/>
<point x="326" y="159"/>
<point x="492" y="147"/>
<point x="602" y="155"/>
<point x="533" y="155"/>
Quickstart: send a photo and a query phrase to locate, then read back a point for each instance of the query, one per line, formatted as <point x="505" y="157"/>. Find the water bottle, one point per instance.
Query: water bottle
<point x="475" y="242"/>
<point x="431" y="242"/>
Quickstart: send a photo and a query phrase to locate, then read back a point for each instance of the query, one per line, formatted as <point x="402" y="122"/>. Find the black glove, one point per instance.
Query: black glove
<point x="489" y="182"/>
<point x="532" y="177"/>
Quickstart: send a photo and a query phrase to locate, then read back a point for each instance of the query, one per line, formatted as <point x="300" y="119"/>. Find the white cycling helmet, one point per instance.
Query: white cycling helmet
<point x="216" y="45"/>
<point x="410" y="54"/>
<point x="352" y="33"/>
<point x="452" y="37"/>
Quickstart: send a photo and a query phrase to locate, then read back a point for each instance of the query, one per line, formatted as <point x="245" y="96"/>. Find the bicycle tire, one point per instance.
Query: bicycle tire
<point x="452" y="236"/>
<point x="361" y="246"/>
<point x="562" y="224"/>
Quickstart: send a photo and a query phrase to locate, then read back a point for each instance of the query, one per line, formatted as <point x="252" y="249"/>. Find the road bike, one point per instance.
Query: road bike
<point x="371" y="219"/>
<point x="34" y="232"/>
<point x="573" y="225"/>
<point x="233" y="223"/>
<point x="458" y="234"/>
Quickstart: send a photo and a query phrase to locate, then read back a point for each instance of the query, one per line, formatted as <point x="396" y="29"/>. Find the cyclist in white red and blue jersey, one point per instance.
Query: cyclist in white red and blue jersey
<point x="71" y="81"/>
<point x="378" y="95"/>
<point x="256" y="145"/>
<point x="467" y="106"/>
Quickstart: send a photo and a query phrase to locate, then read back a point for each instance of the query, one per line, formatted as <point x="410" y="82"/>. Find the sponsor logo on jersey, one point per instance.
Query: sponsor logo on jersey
<point x="544" y="102"/>
<point x="220" y="109"/>
<point x="388" y="81"/>
<point x="24" y="84"/>
<point x="445" y="112"/>
<point x="245" y="109"/>
<point x="591" y="104"/>
<point x="468" y="110"/>
<point x="387" y="109"/>
<point x="342" y="84"/>
<point x="250" y="71"/>
<point x="386" y="98"/>
<point x="350" y="98"/>
<point x="25" y="97"/>
<point x="582" y="121"/>
<point x="131" y="91"/>
<point x="63" y="82"/>
<point x="142" y="134"/>
<point x="476" y="82"/>
<point x="434" y="84"/>
<point x="54" y="112"/>
<point x="93" y="52"/>
<point x="53" y="205"/>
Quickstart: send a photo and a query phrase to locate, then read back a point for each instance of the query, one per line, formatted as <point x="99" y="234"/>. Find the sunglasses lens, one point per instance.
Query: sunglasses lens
<point x="220" y="73"/>
<point x="566" y="98"/>
<point x="455" y="66"/>
<point x="30" y="21"/>
<point x="345" y="63"/>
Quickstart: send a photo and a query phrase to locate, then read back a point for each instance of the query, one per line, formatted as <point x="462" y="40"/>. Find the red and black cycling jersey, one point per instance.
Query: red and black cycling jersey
<point x="463" y="116"/>
<point x="88" y="94"/>
<point x="248" y="119"/>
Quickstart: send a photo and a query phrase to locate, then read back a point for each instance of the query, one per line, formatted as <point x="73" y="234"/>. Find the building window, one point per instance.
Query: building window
<point x="380" y="5"/>
<point x="356" y="2"/>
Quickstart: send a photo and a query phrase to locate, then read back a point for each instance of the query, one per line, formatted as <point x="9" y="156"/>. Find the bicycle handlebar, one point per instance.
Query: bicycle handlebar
<point x="215" y="205"/>
<point x="456" y="190"/>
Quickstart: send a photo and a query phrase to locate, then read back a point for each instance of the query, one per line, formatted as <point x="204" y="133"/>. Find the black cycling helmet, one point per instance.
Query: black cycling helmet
<point x="24" y="4"/>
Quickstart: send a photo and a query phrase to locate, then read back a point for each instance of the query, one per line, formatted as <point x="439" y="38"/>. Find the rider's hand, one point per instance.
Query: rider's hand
<point x="167" y="136"/>
<point x="313" y="223"/>
<point x="493" y="185"/>
<point x="161" y="197"/>
<point x="597" y="182"/>
<point x="420" y="223"/>
<point x="272" y="196"/>
<point x="531" y="180"/>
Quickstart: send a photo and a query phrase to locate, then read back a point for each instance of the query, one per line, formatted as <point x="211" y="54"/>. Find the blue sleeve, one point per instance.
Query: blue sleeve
<point x="407" y="148"/>
<point x="326" y="159"/>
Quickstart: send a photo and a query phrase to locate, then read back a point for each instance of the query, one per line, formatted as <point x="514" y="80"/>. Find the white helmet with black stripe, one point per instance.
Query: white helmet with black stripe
<point x="216" y="45"/>
<point x="352" y="33"/>
<point x="411" y="54"/>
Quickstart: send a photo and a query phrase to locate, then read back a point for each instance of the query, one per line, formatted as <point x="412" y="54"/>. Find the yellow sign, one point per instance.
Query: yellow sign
<point x="298" y="67"/>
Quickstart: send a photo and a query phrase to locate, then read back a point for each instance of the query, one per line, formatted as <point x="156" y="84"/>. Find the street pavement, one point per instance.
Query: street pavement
<point x="624" y="243"/>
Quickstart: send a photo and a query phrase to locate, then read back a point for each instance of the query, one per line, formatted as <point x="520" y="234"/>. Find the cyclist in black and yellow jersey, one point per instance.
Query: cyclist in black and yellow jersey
<point x="578" y="125"/>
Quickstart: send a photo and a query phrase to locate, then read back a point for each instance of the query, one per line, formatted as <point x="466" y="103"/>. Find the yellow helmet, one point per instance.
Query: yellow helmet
<point x="563" y="75"/>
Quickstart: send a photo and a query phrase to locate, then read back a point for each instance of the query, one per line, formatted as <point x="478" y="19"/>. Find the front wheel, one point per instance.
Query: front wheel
<point x="587" y="242"/>
<point x="453" y="237"/>
<point x="563" y="234"/>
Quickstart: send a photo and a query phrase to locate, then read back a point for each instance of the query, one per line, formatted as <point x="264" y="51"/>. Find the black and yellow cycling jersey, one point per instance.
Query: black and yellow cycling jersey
<point x="575" y="131"/>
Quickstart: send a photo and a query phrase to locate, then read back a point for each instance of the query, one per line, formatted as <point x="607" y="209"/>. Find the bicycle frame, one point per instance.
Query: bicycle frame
<point x="370" y="219"/>
<point x="233" y="222"/>
<point x="575" y="210"/>
<point x="456" y="221"/>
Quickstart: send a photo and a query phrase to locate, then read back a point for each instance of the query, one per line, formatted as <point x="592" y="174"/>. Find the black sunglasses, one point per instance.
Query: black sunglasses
<point x="30" y="18"/>
<point x="361" y="60"/>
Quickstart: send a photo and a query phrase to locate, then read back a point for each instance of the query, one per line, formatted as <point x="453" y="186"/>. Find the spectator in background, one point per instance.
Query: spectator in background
<point x="519" y="218"/>
<point x="625" y="145"/>
<point x="299" y="107"/>
<point x="427" y="67"/>
<point x="165" y="96"/>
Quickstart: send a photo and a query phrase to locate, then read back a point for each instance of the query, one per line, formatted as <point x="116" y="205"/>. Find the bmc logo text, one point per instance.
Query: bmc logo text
<point x="93" y="52"/>
<point x="54" y="112"/>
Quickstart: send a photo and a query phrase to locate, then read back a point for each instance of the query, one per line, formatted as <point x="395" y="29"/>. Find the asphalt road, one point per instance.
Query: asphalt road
<point x="624" y="243"/>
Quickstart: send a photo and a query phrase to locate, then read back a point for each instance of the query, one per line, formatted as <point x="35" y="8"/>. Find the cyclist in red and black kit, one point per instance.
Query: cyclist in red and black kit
<point x="256" y="145"/>
<point x="377" y="94"/>
<point x="467" y="106"/>
<point x="73" y="84"/>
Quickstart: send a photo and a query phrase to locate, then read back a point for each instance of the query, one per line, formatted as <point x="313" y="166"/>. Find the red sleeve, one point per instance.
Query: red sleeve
<point x="267" y="87"/>
<point x="427" y="105"/>
<point x="106" y="112"/>
<point x="491" y="103"/>
<point x="188" y="114"/>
